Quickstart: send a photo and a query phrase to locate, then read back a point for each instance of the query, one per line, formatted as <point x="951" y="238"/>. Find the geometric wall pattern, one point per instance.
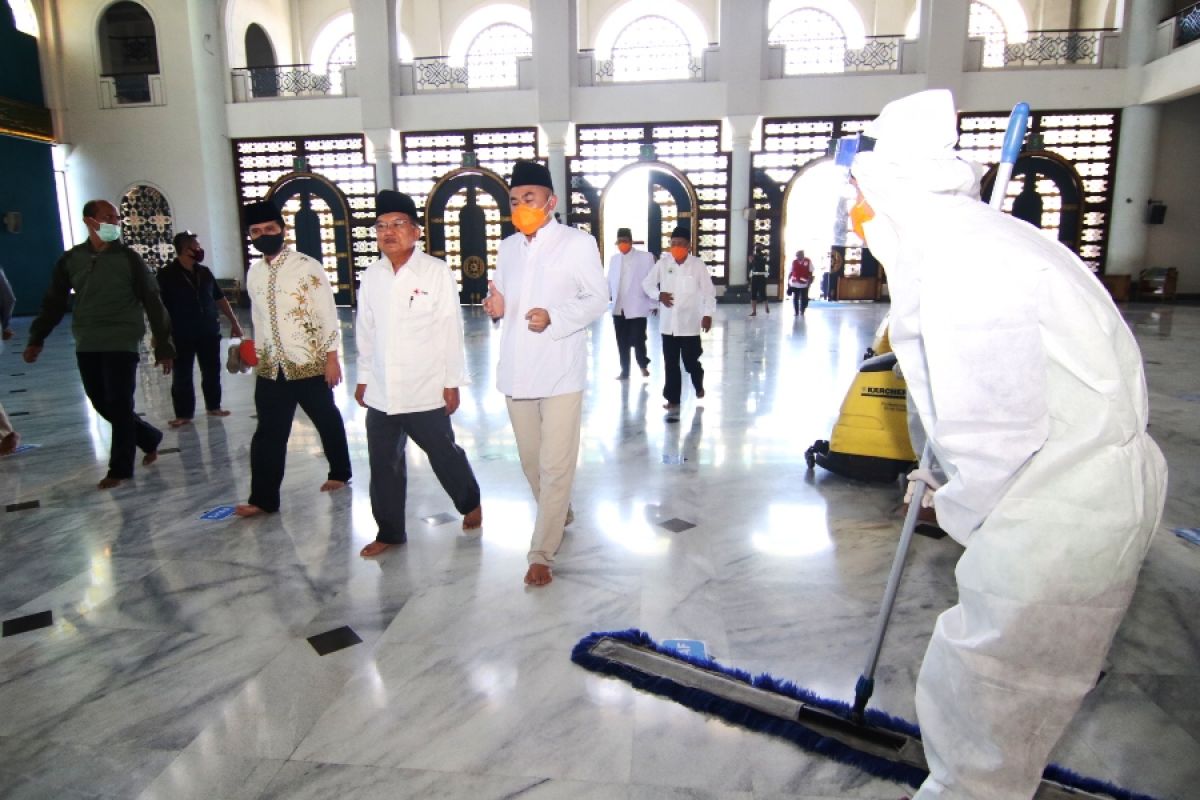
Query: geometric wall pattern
<point x="146" y="225"/>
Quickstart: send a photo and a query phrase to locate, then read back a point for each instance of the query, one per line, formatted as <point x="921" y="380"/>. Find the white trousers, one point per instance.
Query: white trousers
<point x="547" y="431"/>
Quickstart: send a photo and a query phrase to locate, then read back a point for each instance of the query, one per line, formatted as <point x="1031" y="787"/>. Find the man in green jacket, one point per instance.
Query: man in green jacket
<point x="114" y="294"/>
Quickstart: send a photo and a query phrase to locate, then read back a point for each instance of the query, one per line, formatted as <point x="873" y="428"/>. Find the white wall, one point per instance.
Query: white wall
<point x="314" y="15"/>
<point x="1174" y="244"/>
<point x="592" y="14"/>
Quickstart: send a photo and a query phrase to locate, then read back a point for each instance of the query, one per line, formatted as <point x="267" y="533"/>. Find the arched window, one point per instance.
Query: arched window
<point x="984" y="23"/>
<point x="147" y="226"/>
<point x="814" y="42"/>
<point x="489" y="42"/>
<point x="651" y="48"/>
<point x="260" y="62"/>
<point x="492" y="55"/>
<point x="334" y="49"/>
<point x="128" y="51"/>
<point x="25" y="17"/>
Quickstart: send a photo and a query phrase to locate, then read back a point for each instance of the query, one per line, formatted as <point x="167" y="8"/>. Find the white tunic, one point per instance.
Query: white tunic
<point x="626" y="271"/>
<point x="692" y="292"/>
<point x="409" y="334"/>
<point x="560" y="271"/>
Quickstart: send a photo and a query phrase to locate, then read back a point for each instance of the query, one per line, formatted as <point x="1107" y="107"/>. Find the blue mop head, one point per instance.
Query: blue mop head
<point x="708" y="703"/>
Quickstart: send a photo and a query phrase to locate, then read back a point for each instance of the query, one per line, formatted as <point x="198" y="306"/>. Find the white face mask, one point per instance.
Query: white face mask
<point x="108" y="232"/>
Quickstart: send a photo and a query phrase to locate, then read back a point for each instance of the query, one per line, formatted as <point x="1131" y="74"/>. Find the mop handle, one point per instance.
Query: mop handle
<point x="893" y="583"/>
<point x="1014" y="135"/>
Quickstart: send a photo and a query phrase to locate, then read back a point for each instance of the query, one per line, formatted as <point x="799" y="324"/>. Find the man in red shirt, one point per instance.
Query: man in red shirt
<point x="799" y="280"/>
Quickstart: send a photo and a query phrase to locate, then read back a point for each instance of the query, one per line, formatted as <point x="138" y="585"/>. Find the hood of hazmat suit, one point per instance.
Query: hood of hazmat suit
<point x="1030" y="387"/>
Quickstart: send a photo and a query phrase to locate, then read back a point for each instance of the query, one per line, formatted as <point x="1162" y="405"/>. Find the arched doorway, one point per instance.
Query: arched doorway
<point x="466" y="217"/>
<point x="815" y="206"/>
<point x="260" y="61"/>
<point x="650" y="198"/>
<point x="147" y="226"/>
<point x="317" y="218"/>
<point x="1045" y="191"/>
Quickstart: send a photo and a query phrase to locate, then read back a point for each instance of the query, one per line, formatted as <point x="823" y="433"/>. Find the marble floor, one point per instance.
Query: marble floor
<point x="177" y="664"/>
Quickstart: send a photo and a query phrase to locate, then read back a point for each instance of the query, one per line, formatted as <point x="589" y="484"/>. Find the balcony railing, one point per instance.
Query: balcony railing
<point x="131" y="89"/>
<point x="1082" y="47"/>
<point x="830" y="56"/>
<point x="288" y="80"/>
<point x="481" y="72"/>
<point x="648" y="65"/>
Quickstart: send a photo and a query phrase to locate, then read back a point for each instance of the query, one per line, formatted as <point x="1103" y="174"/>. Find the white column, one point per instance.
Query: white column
<point x="741" y="127"/>
<point x="943" y="28"/>
<point x="210" y="77"/>
<point x="1128" y="235"/>
<point x="556" y="149"/>
<point x="380" y="142"/>
<point x="375" y="46"/>
<point x="554" y="48"/>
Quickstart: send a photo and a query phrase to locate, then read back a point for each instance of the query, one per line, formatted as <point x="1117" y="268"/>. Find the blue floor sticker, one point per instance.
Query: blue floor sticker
<point x="24" y="448"/>
<point x="693" y="648"/>
<point x="1189" y="534"/>
<point x="220" y="512"/>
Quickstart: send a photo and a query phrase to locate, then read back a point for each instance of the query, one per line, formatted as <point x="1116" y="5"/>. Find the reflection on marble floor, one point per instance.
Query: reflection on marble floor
<point x="177" y="666"/>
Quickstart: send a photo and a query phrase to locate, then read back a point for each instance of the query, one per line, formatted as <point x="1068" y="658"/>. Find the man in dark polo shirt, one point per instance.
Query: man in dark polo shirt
<point x="114" y="294"/>
<point x="190" y="293"/>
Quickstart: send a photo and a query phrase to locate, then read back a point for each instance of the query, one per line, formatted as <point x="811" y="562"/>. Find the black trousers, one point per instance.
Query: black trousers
<point x="758" y="288"/>
<point x="688" y="348"/>
<point x="109" y="379"/>
<point x="207" y="351"/>
<point x="799" y="299"/>
<point x="276" y="401"/>
<point x="387" y="435"/>
<point x="631" y="334"/>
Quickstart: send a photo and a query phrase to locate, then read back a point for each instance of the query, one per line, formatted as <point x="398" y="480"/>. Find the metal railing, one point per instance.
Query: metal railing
<point x="645" y="64"/>
<point x="1057" y="48"/>
<point x="437" y="74"/>
<point x="131" y="89"/>
<point x="285" y="80"/>
<point x="879" y="54"/>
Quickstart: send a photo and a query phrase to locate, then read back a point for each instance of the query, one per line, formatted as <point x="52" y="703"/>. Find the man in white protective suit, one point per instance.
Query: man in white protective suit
<point x="1031" y="389"/>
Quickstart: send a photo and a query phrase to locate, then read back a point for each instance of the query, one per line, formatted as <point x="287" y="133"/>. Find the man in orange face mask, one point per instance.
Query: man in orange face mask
<point x="688" y="299"/>
<point x="630" y="304"/>
<point x="548" y="289"/>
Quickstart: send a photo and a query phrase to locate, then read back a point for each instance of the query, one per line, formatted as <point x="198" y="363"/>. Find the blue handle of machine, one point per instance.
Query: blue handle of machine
<point x="1014" y="135"/>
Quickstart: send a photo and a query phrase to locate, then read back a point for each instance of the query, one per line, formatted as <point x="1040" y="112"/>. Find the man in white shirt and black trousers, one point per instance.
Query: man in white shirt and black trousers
<point x="548" y="288"/>
<point x="410" y="367"/>
<point x="296" y="341"/>
<point x="630" y="304"/>
<point x="685" y="292"/>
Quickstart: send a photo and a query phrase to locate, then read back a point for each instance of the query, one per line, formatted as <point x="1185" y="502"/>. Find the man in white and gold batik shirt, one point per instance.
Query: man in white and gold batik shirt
<point x="296" y="340"/>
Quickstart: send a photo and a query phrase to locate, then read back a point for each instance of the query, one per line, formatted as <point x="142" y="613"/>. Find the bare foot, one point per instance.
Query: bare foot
<point x="9" y="443"/>
<point x="179" y="422"/>
<point x="671" y="406"/>
<point x="247" y="510"/>
<point x="473" y="520"/>
<point x="374" y="549"/>
<point x="333" y="486"/>
<point x="570" y="516"/>
<point x="109" y="483"/>
<point x="219" y="412"/>
<point x="755" y="314"/>
<point x="538" y="575"/>
<point x="699" y="394"/>
<point x="645" y="372"/>
<point x="622" y="377"/>
<point x="149" y="458"/>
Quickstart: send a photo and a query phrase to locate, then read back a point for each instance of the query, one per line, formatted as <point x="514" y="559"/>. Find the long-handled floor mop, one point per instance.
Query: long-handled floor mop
<point x="869" y="739"/>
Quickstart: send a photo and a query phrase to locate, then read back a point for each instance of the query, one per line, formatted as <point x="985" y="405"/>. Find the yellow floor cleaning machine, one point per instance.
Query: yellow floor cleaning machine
<point x="870" y="440"/>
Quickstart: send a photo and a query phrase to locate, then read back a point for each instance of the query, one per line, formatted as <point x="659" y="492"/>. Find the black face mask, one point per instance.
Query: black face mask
<point x="268" y="243"/>
<point x="198" y="255"/>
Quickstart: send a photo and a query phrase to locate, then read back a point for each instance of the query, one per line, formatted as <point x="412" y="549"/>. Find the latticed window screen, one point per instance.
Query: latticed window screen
<point x="814" y="43"/>
<point x="427" y="156"/>
<point x="146" y="225"/>
<point x="342" y="160"/>
<point x="694" y="148"/>
<point x="1088" y="140"/>
<point x="344" y="54"/>
<point x="984" y="23"/>
<point x="492" y="55"/>
<point x="651" y="48"/>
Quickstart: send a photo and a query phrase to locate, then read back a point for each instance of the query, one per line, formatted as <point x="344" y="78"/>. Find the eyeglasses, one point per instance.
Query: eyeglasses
<point x="381" y="227"/>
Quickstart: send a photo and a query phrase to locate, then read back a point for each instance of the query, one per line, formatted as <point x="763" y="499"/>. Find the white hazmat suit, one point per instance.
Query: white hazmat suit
<point x="1031" y="389"/>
